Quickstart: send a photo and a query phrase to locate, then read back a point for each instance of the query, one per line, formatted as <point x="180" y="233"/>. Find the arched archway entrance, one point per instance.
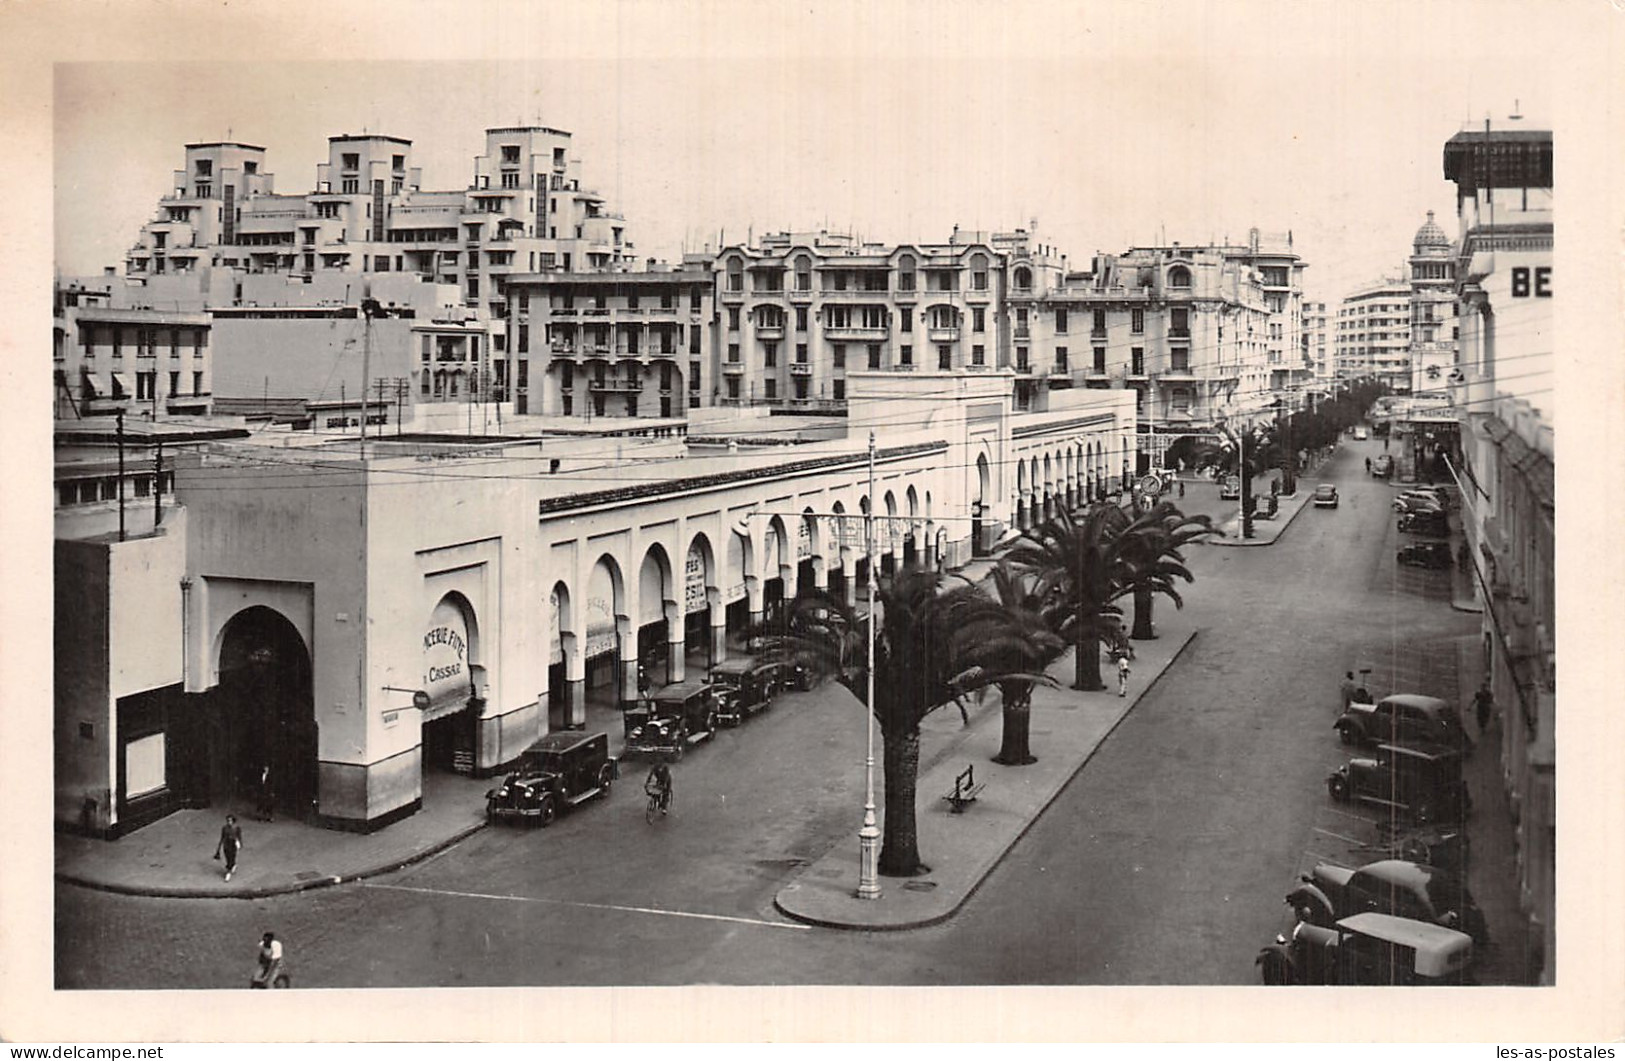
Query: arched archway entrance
<point x="451" y="678"/>
<point x="263" y="726"/>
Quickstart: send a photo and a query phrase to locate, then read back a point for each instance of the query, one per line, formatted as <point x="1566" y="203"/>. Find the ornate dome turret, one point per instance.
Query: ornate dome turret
<point x="1430" y="235"/>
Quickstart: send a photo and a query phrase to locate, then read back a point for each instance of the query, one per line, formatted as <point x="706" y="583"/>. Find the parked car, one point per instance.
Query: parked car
<point x="1420" y="497"/>
<point x="1431" y="522"/>
<point x="1369" y="949"/>
<point x="1361" y="434"/>
<point x="558" y="771"/>
<point x="1230" y="488"/>
<point x="1425" y="785"/>
<point x="1383" y="466"/>
<point x="1391" y="886"/>
<point x="746" y="685"/>
<point x="1266" y="506"/>
<point x="1325" y="496"/>
<point x="671" y="718"/>
<point x="1427" y="554"/>
<point x="1404" y="718"/>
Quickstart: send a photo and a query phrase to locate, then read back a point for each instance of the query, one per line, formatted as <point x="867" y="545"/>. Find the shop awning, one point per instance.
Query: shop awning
<point x="123" y="384"/>
<point x="447" y="703"/>
<point x="97" y="384"/>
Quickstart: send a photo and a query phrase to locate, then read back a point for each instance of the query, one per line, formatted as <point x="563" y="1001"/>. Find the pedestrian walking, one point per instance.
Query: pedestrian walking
<point x="1348" y="689"/>
<point x="1181" y="488"/>
<point x="1122" y="674"/>
<point x="1483" y="706"/>
<point x="1368" y="465"/>
<point x="270" y="971"/>
<point x="231" y="841"/>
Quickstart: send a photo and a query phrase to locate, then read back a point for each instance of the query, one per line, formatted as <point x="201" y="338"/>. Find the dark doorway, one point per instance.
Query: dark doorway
<point x="263" y="725"/>
<point x="558" y="696"/>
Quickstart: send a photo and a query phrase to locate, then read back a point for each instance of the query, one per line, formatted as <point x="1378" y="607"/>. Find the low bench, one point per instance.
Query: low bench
<point x="965" y="790"/>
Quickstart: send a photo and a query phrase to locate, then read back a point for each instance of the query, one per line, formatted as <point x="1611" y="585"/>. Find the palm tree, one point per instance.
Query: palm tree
<point x="1081" y="572"/>
<point x="1152" y="545"/>
<point x="930" y="644"/>
<point x="1021" y="641"/>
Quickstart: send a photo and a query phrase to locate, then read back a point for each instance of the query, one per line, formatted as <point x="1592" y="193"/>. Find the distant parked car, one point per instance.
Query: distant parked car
<point x="1425" y="786"/>
<point x="1230" y="489"/>
<point x="1383" y="466"/>
<point x="1416" y="501"/>
<point x="1434" y="555"/>
<point x="1422" y="496"/>
<point x="1392" y="886"/>
<point x="1431" y="522"/>
<point x="558" y="771"/>
<point x="1361" y="434"/>
<point x="1404" y="718"/>
<point x="1325" y="496"/>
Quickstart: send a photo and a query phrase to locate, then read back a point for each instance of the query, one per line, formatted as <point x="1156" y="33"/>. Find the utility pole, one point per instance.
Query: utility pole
<point x="119" y="419"/>
<point x="158" y="487"/>
<point x="1246" y="482"/>
<point x="869" y="835"/>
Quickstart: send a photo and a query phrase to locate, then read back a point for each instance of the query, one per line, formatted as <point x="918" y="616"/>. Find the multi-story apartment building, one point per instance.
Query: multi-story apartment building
<point x="798" y="310"/>
<point x="524" y="210"/>
<point x="1201" y="334"/>
<point x="1317" y="354"/>
<point x="639" y="344"/>
<point x="1502" y="390"/>
<point x="1433" y="311"/>
<point x="110" y="358"/>
<point x="1374" y="335"/>
<point x="284" y="277"/>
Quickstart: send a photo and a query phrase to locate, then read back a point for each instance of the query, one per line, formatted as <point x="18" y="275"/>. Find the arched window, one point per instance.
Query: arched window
<point x="736" y="275"/>
<point x="905" y="273"/>
<point x="803" y="274"/>
<point x="978" y="272"/>
<point x="1024" y="278"/>
<point x="1179" y="276"/>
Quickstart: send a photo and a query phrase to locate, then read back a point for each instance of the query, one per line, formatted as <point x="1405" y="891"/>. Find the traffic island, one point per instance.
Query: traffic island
<point x="1265" y="531"/>
<point x="963" y="847"/>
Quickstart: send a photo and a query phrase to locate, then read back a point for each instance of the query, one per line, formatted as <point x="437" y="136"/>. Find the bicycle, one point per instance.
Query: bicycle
<point x="659" y="803"/>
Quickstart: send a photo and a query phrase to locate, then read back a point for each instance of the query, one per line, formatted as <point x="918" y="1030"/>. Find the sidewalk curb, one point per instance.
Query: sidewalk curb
<point x="1004" y="852"/>
<point x="265" y="892"/>
<point x="1254" y="543"/>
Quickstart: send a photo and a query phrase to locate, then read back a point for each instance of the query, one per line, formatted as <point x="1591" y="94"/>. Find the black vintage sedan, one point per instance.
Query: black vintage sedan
<point x="1432" y="555"/>
<point x="1424" y="786"/>
<point x="558" y="771"/>
<point x="1392" y="886"/>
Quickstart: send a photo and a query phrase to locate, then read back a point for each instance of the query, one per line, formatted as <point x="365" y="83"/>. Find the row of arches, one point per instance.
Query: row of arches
<point x="701" y="595"/>
<point x="1073" y="475"/>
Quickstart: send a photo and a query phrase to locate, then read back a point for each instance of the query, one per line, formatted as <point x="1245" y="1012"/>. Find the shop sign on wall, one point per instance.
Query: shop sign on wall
<point x="803" y="540"/>
<point x="694" y="580"/>
<point x="445" y="651"/>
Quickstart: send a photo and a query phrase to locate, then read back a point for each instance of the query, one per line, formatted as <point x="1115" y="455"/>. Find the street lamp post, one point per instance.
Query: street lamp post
<point x="869" y="835"/>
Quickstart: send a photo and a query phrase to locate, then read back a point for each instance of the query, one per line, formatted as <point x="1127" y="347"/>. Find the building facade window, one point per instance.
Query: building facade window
<point x="978" y="354"/>
<point x="770" y="354"/>
<point x="733" y="318"/>
<point x="771" y="388"/>
<point x="905" y="354"/>
<point x="978" y="319"/>
<point x="945" y="357"/>
<point x="1136" y="361"/>
<point x="733" y="353"/>
<point x="1023" y="278"/>
<point x="838" y="353"/>
<point x="1100" y="360"/>
<point x="1060" y="322"/>
<point x="801" y="353"/>
<point x="1060" y="359"/>
<point x="874" y="356"/>
<point x="801" y="318"/>
<point x="838" y="389"/>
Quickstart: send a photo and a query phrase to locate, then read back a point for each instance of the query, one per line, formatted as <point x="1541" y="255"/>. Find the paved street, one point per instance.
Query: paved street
<point x="1164" y="861"/>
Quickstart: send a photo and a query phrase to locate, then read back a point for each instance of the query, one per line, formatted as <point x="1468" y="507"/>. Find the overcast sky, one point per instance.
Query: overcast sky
<point x="1111" y="124"/>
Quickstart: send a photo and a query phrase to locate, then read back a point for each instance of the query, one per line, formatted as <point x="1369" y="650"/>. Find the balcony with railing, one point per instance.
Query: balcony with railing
<point x="800" y="368"/>
<point x="733" y="368"/>
<point x="855" y="333"/>
<point x="609" y="385"/>
<point x="770" y="331"/>
<point x="943" y="335"/>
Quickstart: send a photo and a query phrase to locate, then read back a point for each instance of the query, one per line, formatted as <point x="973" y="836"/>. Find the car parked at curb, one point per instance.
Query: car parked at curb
<point x="560" y="770"/>
<point x="1434" y="555"/>
<point x="1420" y="497"/>
<point x="1391" y="886"/>
<point x="1368" y="949"/>
<point x="1325" y="496"/>
<point x="1383" y="466"/>
<point x="1404" y="718"/>
<point x="671" y="718"/>
<point x="746" y="685"/>
<point x="1230" y="488"/>
<point x="1424" y="785"/>
<point x="1430" y="522"/>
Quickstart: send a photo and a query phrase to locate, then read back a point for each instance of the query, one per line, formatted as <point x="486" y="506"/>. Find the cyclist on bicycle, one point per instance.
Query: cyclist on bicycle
<point x="658" y="783"/>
